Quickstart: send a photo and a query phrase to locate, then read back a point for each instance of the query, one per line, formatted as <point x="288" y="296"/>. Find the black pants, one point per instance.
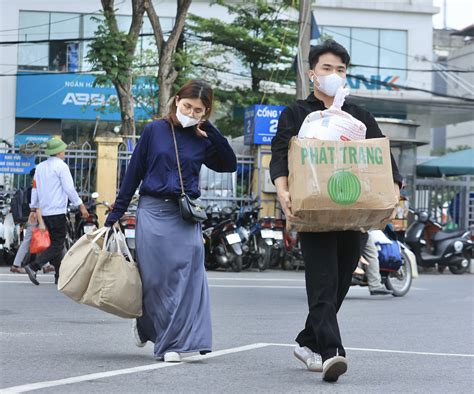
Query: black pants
<point x="330" y="258"/>
<point x="56" y="225"/>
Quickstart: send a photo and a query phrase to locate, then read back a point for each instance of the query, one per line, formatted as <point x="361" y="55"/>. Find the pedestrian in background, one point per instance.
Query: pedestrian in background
<point x="32" y="222"/>
<point x="330" y="257"/>
<point x="170" y="251"/>
<point x="371" y="254"/>
<point x="53" y="186"/>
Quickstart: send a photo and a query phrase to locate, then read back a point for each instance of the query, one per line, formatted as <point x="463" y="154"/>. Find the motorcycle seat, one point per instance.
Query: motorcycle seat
<point x="443" y="235"/>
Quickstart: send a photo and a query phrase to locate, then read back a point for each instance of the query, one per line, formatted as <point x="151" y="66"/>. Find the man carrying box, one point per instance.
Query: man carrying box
<point x="330" y="257"/>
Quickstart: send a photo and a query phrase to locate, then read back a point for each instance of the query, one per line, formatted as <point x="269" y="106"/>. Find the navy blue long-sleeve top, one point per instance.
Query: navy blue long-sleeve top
<point x="153" y="163"/>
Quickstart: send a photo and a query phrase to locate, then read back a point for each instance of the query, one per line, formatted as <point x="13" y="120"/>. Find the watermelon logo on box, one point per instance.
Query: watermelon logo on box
<point x="344" y="188"/>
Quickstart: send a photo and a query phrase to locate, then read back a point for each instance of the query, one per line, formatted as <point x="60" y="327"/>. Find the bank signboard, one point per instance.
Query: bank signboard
<point x="73" y="96"/>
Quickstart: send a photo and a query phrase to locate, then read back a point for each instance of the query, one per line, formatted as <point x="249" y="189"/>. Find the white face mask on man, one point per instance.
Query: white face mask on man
<point x="328" y="84"/>
<point x="185" y="120"/>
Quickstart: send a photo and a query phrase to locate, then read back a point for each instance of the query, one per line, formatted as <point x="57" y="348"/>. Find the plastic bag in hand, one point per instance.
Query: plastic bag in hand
<point x="40" y="241"/>
<point x="333" y="124"/>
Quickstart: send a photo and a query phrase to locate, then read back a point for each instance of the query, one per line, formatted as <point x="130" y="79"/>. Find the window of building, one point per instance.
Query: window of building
<point x="376" y="54"/>
<point x="34" y="26"/>
<point x="67" y="37"/>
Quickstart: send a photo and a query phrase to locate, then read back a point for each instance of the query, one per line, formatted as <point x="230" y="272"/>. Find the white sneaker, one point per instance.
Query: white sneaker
<point x="333" y="368"/>
<point x="138" y="341"/>
<point x="311" y="359"/>
<point x="172" y="357"/>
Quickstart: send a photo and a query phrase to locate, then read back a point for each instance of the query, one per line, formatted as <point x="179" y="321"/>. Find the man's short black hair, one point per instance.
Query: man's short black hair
<point x="328" y="46"/>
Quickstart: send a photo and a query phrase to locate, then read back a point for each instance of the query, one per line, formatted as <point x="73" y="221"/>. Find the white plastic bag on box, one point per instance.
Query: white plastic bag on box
<point x="333" y="124"/>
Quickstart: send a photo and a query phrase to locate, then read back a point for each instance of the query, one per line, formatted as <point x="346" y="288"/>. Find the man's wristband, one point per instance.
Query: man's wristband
<point x="33" y="210"/>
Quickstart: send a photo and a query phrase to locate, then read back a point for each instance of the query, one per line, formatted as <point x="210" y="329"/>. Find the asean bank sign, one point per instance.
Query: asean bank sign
<point x="74" y="96"/>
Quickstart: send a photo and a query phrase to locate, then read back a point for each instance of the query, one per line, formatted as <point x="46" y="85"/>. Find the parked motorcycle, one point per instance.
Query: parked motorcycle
<point x="222" y="243"/>
<point x="293" y="257"/>
<point x="84" y="226"/>
<point x="9" y="231"/>
<point x="278" y="251"/>
<point x="249" y="229"/>
<point x="448" y="248"/>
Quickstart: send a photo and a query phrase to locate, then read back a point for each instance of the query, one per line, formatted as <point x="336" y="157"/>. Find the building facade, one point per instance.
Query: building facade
<point x="45" y="86"/>
<point x="392" y="41"/>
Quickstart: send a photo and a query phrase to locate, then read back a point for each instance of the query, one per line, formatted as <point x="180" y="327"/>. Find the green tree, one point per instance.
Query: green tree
<point x="113" y="51"/>
<point x="166" y="50"/>
<point x="263" y="39"/>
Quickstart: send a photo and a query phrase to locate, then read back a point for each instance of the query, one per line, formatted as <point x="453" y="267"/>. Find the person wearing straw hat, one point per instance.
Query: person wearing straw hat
<point x="53" y="186"/>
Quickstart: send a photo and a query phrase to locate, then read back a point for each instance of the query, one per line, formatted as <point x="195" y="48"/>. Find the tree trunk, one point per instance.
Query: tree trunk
<point x="302" y="84"/>
<point x="166" y="77"/>
<point x="124" y="93"/>
<point x="166" y="49"/>
<point x="124" y="90"/>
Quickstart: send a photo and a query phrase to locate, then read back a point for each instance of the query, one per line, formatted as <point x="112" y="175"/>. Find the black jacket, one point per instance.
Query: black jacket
<point x="291" y="120"/>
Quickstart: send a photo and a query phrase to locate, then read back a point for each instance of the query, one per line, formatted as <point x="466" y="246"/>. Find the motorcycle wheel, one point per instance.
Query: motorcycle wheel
<point x="237" y="264"/>
<point x="287" y="264"/>
<point x="8" y="257"/>
<point x="246" y="262"/>
<point x="399" y="282"/>
<point x="211" y="265"/>
<point x="265" y="252"/>
<point x="460" y="269"/>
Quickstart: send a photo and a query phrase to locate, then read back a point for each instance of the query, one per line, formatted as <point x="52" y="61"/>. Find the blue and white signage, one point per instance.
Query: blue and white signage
<point x="72" y="96"/>
<point x="261" y="123"/>
<point x="16" y="164"/>
<point x="23" y="139"/>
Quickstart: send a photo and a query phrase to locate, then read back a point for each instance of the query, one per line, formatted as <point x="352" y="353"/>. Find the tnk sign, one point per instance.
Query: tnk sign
<point x="376" y="82"/>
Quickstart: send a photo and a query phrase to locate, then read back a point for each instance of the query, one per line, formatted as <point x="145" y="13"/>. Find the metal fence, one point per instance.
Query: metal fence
<point x="221" y="189"/>
<point x="216" y="188"/>
<point x="80" y="159"/>
<point x="451" y="202"/>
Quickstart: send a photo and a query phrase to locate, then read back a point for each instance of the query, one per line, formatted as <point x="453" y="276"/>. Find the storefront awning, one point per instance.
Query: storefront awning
<point x="452" y="164"/>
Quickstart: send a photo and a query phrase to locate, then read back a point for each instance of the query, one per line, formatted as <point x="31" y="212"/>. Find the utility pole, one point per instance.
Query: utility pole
<point x="304" y="36"/>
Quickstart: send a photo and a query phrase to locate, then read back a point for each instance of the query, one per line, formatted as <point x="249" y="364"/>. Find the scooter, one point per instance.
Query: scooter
<point x="9" y="231"/>
<point x="398" y="281"/>
<point x="222" y="243"/>
<point x="448" y="248"/>
<point x="85" y="226"/>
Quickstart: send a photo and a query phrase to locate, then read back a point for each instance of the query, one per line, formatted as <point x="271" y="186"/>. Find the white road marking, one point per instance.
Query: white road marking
<point x="126" y="371"/>
<point x="149" y="367"/>
<point x="27" y="281"/>
<point x="388" y="351"/>
<point x="257" y="279"/>
<point x="352" y="289"/>
<point x="258" y="287"/>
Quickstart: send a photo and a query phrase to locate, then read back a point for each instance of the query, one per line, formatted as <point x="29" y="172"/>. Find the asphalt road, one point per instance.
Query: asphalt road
<point x="423" y="342"/>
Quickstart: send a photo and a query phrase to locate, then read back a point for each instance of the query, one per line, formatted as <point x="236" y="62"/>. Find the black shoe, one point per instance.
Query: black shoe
<point x="31" y="274"/>
<point x="56" y="278"/>
<point x="380" y="291"/>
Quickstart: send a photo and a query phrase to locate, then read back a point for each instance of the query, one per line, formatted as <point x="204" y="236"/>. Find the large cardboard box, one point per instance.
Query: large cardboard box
<point x="340" y="185"/>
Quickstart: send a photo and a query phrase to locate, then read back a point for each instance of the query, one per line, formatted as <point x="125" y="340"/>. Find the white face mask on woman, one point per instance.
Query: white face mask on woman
<point x="328" y="84"/>
<point x="185" y="120"/>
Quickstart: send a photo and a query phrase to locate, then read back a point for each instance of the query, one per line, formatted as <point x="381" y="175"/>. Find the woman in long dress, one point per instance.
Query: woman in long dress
<point x="170" y="250"/>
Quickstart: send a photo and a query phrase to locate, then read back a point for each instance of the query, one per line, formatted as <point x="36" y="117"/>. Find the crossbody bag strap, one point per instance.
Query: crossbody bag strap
<point x="177" y="159"/>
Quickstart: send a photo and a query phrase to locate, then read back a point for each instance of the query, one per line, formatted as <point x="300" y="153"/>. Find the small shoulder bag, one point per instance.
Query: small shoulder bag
<point x="190" y="210"/>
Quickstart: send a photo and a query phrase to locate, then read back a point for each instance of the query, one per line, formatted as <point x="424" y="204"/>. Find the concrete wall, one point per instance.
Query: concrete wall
<point x="463" y="58"/>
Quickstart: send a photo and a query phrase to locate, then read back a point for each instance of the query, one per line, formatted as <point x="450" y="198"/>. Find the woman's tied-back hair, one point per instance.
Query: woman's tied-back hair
<point x="193" y="89"/>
